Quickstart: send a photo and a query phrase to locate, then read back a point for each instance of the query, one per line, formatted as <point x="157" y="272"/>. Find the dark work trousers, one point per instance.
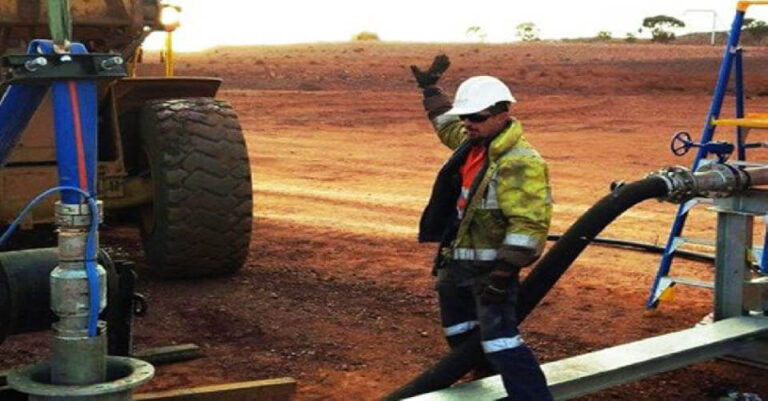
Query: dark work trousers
<point x="461" y="313"/>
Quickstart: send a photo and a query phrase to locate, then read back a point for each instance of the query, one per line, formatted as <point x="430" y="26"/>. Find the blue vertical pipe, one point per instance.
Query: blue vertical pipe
<point x="75" y="116"/>
<point x="738" y="78"/>
<point x="706" y="136"/>
<point x="75" y="119"/>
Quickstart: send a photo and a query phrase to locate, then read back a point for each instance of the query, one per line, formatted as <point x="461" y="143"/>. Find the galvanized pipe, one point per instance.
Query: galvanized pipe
<point x="77" y="358"/>
<point x="757" y="176"/>
<point x="711" y="181"/>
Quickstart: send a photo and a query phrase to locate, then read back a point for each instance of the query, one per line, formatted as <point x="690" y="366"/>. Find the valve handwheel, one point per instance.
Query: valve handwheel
<point x="681" y="143"/>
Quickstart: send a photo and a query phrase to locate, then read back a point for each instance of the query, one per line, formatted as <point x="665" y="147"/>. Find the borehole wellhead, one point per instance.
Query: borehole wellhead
<point x="77" y="358"/>
<point x="79" y="368"/>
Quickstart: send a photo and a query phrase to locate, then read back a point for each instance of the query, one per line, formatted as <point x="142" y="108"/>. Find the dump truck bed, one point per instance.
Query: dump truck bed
<point x="103" y="25"/>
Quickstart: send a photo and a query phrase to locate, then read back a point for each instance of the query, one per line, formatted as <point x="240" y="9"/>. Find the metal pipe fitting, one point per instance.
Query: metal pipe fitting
<point x="69" y="281"/>
<point x="680" y="183"/>
<point x="69" y="297"/>
<point x="718" y="180"/>
<point x="123" y="375"/>
<point x="76" y="215"/>
<point x="77" y="359"/>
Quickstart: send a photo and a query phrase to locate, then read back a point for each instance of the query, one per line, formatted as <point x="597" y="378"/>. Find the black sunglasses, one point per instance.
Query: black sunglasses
<point x="475" y="118"/>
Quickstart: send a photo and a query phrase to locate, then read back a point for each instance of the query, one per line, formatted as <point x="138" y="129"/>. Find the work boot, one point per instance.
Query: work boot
<point x="521" y="374"/>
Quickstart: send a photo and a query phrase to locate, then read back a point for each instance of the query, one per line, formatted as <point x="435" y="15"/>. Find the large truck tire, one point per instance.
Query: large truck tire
<point x="199" y="223"/>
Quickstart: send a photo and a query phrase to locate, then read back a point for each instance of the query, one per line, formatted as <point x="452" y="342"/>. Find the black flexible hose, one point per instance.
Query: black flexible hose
<point x="644" y="247"/>
<point x="541" y="279"/>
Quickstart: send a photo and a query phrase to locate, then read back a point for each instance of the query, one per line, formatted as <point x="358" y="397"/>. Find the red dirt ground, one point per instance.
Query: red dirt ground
<point x="337" y="292"/>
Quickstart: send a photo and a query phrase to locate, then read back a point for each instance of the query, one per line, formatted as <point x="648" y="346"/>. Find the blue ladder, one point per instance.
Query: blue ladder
<point x="732" y="63"/>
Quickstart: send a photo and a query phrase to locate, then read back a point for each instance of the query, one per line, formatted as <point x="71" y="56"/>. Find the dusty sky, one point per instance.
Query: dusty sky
<point x="208" y="23"/>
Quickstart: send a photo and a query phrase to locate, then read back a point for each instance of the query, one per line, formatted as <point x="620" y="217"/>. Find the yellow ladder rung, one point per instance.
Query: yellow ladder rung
<point x="756" y="122"/>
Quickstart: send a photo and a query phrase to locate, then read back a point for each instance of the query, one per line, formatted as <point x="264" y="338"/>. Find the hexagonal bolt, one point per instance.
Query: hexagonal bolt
<point x="35" y="63"/>
<point x="112" y="62"/>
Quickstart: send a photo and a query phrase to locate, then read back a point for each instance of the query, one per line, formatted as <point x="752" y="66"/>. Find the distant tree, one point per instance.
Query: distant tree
<point x="751" y="23"/>
<point x="660" y="26"/>
<point x="630" y="38"/>
<point x="604" y="36"/>
<point x="476" y="33"/>
<point x="755" y="28"/>
<point x="527" y="32"/>
<point x="365" y="36"/>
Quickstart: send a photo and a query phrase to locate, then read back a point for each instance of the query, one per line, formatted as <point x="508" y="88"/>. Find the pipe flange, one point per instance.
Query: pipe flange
<point x="123" y="375"/>
<point x="680" y="183"/>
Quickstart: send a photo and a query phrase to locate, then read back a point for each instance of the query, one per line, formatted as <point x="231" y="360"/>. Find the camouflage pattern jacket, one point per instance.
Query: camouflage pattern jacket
<point x="510" y="203"/>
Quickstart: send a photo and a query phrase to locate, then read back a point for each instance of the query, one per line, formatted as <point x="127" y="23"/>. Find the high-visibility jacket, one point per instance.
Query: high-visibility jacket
<point x="510" y="202"/>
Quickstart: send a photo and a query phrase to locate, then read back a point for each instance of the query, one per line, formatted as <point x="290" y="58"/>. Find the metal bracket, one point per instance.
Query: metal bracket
<point x="45" y="68"/>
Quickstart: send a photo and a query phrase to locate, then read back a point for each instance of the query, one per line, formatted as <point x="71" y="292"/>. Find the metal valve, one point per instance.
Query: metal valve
<point x="682" y="143"/>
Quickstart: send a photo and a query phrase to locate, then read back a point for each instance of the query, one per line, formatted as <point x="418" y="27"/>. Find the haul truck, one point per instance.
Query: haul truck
<point x="171" y="157"/>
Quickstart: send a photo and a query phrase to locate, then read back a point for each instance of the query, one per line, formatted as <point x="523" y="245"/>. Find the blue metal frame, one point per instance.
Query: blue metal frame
<point x="730" y="55"/>
<point x="17" y="105"/>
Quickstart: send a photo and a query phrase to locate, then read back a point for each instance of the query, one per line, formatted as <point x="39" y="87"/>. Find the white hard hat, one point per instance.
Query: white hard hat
<point x="479" y="93"/>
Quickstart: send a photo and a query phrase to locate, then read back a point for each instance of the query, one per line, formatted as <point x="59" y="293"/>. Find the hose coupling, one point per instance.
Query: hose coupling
<point x="680" y="182"/>
<point x="76" y="215"/>
<point x="714" y="180"/>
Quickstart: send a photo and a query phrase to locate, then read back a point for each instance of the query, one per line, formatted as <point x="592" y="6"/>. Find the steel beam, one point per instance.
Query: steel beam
<point x="584" y="374"/>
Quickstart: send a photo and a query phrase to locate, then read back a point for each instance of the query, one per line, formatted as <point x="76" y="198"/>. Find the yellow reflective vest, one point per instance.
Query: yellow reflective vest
<point x="511" y="205"/>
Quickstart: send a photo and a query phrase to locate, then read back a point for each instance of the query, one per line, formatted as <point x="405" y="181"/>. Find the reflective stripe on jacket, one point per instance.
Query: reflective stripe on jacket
<point x="511" y="205"/>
